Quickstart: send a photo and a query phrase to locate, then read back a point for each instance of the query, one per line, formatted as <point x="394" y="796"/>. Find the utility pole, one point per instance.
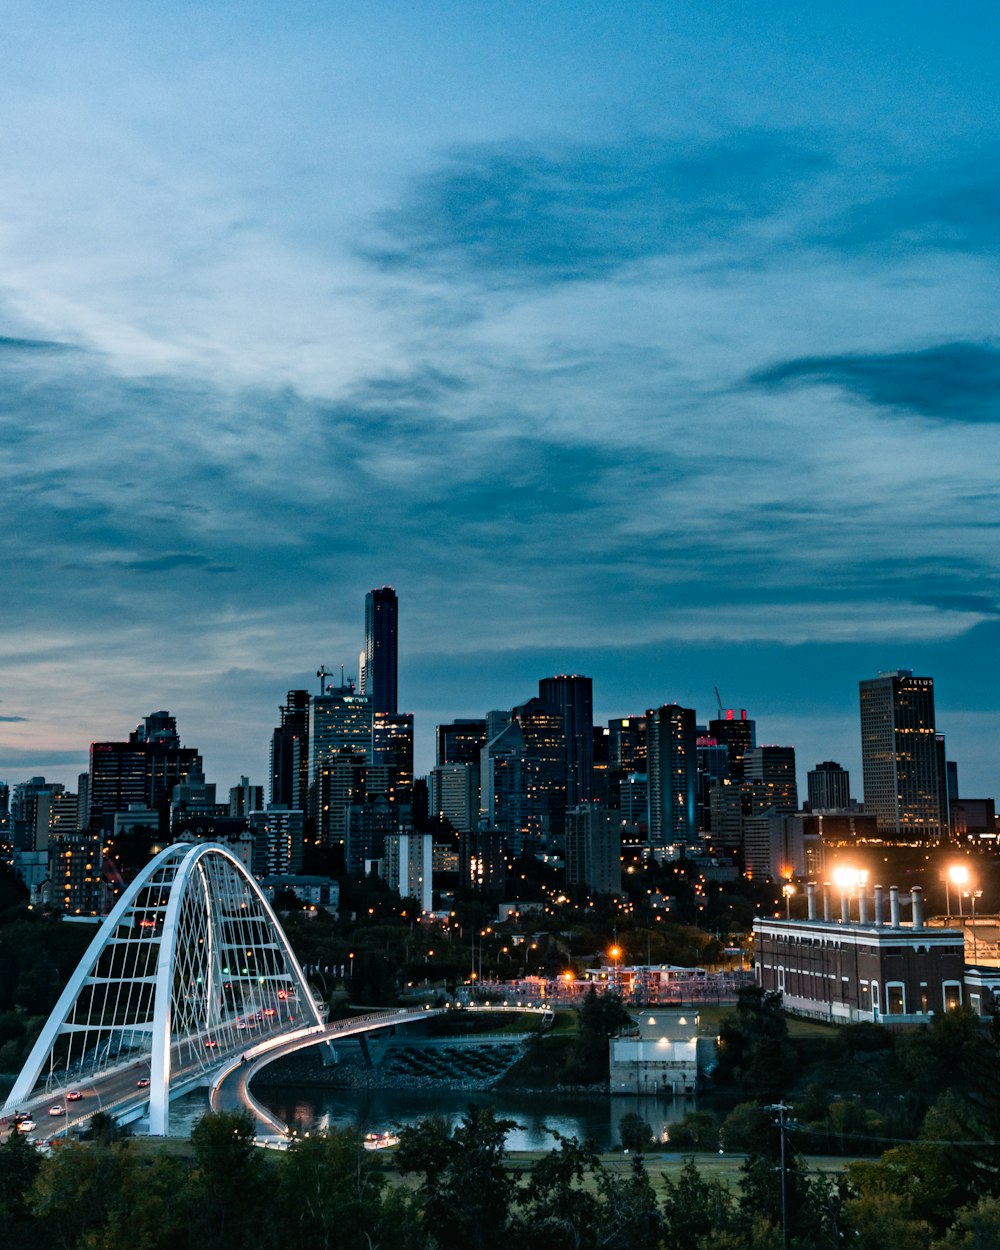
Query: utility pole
<point x="781" y="1122"/>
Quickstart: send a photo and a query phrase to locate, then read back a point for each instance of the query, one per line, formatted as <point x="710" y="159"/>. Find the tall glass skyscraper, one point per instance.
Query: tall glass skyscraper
<point x="904" y="771"/>
<point x="380" y="674"/>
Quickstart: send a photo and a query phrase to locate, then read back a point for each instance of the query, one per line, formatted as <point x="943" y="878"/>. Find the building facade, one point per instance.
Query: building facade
<point x="902" y="761"/>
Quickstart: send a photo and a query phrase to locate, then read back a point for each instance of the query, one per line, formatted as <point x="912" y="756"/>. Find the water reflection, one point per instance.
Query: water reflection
<point x="538" y="1116"/>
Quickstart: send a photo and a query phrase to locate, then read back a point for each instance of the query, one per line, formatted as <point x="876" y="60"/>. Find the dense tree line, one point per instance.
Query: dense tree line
<point x="453" y="1189"/>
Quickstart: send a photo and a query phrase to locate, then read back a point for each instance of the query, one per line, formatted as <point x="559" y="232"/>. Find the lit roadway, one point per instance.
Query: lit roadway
<point x="230" y="1091"/>
<point x="117" y="1093"/>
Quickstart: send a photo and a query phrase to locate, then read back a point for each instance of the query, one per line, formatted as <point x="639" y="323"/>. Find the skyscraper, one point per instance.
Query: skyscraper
<point x="573" y="698"/>
<point x="738" y="733"/>
<point x="671" y="736"/>
<point x="290" y="754"/>
<point x="380" y="673"/>
<point x="901" y="758"/>
<point x="829" y="787"/>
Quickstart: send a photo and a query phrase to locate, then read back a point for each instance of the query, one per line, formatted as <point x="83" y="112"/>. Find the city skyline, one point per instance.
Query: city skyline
<point x="657" y="344"/>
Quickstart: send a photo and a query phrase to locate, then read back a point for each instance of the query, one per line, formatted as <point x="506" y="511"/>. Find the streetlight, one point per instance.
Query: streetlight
<point x="957" y="874"/>
<point x="788" y="890"/>
<point x="616" y="953"/>
<point x="972" y="895"/>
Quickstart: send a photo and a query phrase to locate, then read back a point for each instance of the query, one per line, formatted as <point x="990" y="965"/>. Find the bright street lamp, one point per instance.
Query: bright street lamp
<point x="788" y="890"/>
<point x="957" y="875"/>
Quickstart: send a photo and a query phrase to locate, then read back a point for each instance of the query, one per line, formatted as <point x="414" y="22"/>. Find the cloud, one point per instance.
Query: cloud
<point x="33" y="345"/>
<point x="957" y="382"/>
<point x="947" y="205"/>
<point x="176" y="560"/>
<point x="514" y="212"/>
<point x="10" y="720"/>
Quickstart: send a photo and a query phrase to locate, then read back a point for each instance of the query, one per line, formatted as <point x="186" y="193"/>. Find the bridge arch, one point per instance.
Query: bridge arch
<point x="190" y="967"/>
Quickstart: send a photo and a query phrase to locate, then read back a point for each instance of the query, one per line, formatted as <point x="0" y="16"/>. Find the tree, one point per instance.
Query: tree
<point x="635" y="1133"/>
<point x="332" y="1192"/>
<point x="19" y="1164"/>
<point x="694" y="1208"/>
<point x="466" y="1193"/>
<point x="227" y="1186"/>
<point x="558" y="1211"/>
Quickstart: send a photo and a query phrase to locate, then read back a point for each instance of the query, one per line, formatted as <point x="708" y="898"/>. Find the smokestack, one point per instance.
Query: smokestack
<point x="878" y="907"/>
<point x="862" y="907"/>
<point x="917" y="904"/>
<point x="826" y="900"/>
<point x="811" y="899"/>
<point x="894" y="906"/>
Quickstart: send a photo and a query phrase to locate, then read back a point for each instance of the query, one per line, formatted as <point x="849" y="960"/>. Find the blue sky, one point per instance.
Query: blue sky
<point x="658" y="342"/>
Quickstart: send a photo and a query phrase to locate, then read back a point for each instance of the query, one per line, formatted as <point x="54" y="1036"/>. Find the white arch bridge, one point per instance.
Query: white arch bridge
<point x="190" y="975"/>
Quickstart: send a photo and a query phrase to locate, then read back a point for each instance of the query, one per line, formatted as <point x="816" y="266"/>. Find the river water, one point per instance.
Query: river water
<point x="593" y="1117"/>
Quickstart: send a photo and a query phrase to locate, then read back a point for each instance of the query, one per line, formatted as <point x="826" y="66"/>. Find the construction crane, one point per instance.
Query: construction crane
<point x="718" y="700"/>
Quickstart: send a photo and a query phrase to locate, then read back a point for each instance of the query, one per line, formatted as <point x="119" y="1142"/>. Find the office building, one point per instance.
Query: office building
<point x="381" y="669"/>
<point x="594" y="849"/>
<point x="773" y="767"/>
<point x="461" y="741"/>
<point x="409" y="867"/>
<point x="672" y="776"/>
<point x="392" y="748"/>
<point x="117" y="781"/>
<point x="454" y="795"/>
<point x="277" y="836"/>
<point x="829" y="787"/>
<point x="902" y="760"/>
<point x="290" y="753"/>
<point x="738" y="733"/>
<point x="573" y="698"/>
<point x="627" y="745"/>
<point x="244" y="799"/>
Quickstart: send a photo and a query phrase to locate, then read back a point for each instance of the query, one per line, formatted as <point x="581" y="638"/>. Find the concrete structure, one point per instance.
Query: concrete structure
<point x="865" y="967"/>
<point x="663" y="1056"/>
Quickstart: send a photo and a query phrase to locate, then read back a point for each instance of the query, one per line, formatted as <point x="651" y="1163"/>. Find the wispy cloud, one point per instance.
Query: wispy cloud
<point x="515" y="212"/>
<point x="948" y="382"/>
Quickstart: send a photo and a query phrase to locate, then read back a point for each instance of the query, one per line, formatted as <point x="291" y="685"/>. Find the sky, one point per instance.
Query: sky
<point x="657" y="342"/>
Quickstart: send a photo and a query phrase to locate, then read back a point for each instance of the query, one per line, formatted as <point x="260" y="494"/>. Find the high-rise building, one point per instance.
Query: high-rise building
<point x="772" y="768"/>
<point x="409" y="867"/>
<point x="277" y="841"/>
<point x="829" y="787"/>
<point x="905" y="785"/>
<point x="713" y="769"/>
<point x="573" y="697"/>
<point x="594" y="848"/>
<point x="454" y="794"/>
<point x="460" y="741"/>
<point x="244" y="799"/>
<point x="627" y="744"/>
<point x="738" y="733"/>
<point x="290" y="753"/>
<point x="671" y="736"/>
<point x="380" y="673"/>
<point x="339" y="720"/>
<point x="523" y="777"/>
<point x="117" y="781"/>
<point x="392" y="748"/>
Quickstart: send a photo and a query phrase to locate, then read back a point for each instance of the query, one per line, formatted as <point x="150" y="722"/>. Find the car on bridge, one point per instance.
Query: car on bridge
<point x="58" y="1109"/>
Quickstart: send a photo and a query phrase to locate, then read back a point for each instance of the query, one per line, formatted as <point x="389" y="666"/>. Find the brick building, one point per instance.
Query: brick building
<point x="850" y="969"/>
